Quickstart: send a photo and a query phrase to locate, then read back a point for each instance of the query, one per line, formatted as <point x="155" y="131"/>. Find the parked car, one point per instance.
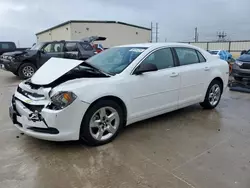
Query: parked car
<point x="9" y="47"/>
<point x="222" y="54"/>
<point x="241" y="67"/>
<point x="93" y="100"/>
<point x="25" y="63"/>
<point x="98" y="47"/>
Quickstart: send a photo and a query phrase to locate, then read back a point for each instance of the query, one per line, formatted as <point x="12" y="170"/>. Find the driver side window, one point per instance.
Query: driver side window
<point x="162" y="59"/>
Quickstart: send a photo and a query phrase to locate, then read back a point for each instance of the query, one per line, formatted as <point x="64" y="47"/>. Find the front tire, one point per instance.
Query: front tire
<point x="213" y="95"/>
<point x="26" y="70"/>
<point x="102" y="123"/>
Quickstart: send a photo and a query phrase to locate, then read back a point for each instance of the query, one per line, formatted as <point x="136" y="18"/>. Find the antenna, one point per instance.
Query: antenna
<point x="196" y="35"/>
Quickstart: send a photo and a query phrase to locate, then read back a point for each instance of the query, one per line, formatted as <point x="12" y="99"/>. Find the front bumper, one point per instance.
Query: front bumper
<point x="53" y="125"/>
<point x="238" y="72"/>
<point x="9" y="66"/>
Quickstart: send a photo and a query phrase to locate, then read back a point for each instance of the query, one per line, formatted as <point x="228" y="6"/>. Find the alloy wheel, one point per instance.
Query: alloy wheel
<point x="214" y="94"/>
<point x="28" y="71"/>
<point x="104" y="123"/>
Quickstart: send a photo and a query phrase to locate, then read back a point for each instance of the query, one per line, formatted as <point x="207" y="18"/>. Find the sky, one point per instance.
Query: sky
<point x="21" y="19"/>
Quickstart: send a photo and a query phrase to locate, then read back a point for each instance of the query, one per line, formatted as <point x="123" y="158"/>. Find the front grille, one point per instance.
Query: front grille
<point x="27" y="93"/>
<point x="245" y="66"/>
<point x="33" y="108"/>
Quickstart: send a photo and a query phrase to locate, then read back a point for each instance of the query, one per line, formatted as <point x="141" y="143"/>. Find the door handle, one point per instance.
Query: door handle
<point x="174" y="74"/>
<point x="207" y="68"/>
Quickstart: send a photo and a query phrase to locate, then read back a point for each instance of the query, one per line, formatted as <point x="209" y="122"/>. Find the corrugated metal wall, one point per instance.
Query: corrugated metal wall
<point x="239" y="46"/>
<point x="231" y="46"/>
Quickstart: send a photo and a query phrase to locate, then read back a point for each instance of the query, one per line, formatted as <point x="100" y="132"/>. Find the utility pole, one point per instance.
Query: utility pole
<point x="156" y="32"/>
<point x="151" y="34"/>
<point x="196" y="35"/>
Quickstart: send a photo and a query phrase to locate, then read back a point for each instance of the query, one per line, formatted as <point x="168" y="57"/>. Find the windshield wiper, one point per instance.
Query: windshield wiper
<point x="96" y="69"/>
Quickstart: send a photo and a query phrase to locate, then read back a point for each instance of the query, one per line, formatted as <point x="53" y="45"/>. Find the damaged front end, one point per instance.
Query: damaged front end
<point x="27" y="106"/>
<point x="38" y="112"/>
<point x="41" y="110"/>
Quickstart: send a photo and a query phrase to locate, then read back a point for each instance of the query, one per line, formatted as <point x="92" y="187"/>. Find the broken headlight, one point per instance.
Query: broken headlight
<point x="61" y="100"/>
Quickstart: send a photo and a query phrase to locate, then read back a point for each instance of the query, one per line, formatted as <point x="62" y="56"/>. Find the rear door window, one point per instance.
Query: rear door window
<point x="187" y="56"/>
<point x="71" y="47"/>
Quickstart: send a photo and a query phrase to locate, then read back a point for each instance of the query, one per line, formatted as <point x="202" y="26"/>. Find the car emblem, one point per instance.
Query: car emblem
<point x="28" y="101"/>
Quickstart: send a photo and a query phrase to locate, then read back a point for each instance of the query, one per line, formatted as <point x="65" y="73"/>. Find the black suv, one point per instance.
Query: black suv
<point x="25" y="63"/>
<point x="241" y="67"/>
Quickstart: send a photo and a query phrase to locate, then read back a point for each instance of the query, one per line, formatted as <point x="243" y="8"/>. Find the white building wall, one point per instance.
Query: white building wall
<point x="244" y="45"/>
<point x="44" y="37"/>
<point x="218" y="46"/>
<point x="117" y="34"/>
<point x="60" y="33"/>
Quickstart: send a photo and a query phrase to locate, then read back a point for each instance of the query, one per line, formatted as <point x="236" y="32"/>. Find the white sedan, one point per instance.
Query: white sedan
<point x="93" y="100"/>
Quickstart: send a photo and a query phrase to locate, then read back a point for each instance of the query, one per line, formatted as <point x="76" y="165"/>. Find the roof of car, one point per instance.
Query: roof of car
<point x="82" y="41"/>
<point x="148" y="45"/>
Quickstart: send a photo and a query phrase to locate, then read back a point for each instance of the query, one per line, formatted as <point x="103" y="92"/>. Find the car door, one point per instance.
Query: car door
<point x="54" y="49"/>
<point x="86" y="50"/>
<point x="71" y="50"/>
<point x="194" y="74"/>
<point x="156" y="92"/>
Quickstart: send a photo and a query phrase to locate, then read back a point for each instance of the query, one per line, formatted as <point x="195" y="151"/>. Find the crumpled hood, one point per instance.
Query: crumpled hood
<point x="19" y="53"/>
<point x="244" y="57"/>
<point x="15" y="53"/>
<point x="53" y="69"/>
<point x="76" y="85"/>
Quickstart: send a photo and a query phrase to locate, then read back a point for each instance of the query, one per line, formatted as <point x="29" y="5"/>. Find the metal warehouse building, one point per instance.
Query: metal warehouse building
<point x="117" y="33"/>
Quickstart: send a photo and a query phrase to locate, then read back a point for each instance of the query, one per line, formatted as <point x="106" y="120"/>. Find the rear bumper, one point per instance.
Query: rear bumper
<point x="53" y="125"/>
<point x="238" y="72"/>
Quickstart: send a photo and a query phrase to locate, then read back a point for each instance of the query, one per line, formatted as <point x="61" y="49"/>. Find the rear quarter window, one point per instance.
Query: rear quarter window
<point x="201" y="57"/>
<point x="87" y="46"/>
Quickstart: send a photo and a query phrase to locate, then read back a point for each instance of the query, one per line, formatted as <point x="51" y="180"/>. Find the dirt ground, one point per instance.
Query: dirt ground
<point x="187" y="148"/>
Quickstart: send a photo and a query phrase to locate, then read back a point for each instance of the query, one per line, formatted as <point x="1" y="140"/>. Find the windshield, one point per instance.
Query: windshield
<point x="213" y="52"/>
<point x="37" y="46"/>
<point x="115" y="60"/>
<point x="248" y="52"/>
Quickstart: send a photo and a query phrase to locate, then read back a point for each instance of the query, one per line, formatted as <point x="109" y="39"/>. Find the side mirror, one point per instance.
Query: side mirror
<point x="145" y="67"/>
<point x="243" y="52"/>
<point x="42" y="51"/>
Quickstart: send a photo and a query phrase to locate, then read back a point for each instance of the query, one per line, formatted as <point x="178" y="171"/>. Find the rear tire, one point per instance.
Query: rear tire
<point x="26" y="70"/>
<point x="98" y="126"/>
<point x="238" y="78"/>
<point x="213" y="95"/>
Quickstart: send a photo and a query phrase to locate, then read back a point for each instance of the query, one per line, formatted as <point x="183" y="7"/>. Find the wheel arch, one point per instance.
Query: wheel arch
<point x="116" y="99"/>
<point x="219" y="79"/>
<point x="25" y="61"/>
